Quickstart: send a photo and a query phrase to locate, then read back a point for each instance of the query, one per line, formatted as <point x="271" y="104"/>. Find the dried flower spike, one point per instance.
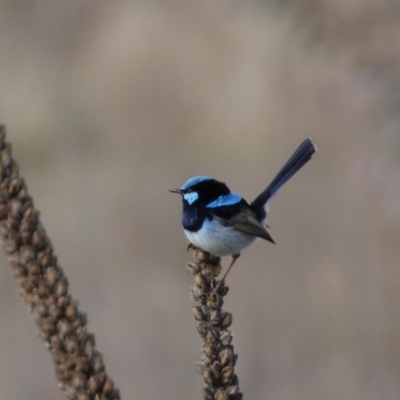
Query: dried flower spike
<point x="217" y="363"/>
<point x="79" y="366"/>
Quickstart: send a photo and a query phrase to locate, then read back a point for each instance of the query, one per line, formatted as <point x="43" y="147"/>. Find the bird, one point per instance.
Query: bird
<point x="223" y="223"/>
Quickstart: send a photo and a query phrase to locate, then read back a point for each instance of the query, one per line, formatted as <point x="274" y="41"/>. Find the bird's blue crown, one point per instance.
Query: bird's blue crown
<point x="191" y="182"/>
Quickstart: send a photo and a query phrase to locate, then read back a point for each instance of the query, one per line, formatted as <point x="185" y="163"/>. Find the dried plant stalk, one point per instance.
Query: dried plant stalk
<point x="217" y="363"/>
<point x="79" y="367"/>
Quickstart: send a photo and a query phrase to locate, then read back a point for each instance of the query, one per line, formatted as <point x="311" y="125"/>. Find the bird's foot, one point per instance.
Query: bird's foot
<point x="222" y="281"/>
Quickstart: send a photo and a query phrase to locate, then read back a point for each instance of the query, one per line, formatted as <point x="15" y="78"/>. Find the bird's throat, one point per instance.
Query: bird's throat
<point x="193" y="218"/>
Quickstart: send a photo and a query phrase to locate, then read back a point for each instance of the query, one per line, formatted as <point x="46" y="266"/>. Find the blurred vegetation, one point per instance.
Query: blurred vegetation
<point x="109" y="104"/>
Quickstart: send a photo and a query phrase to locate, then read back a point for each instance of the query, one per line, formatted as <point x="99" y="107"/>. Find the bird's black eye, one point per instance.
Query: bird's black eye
<point x="189" y="191"/>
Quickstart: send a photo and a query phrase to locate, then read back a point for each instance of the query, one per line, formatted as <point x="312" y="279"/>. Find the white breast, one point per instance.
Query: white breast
<point x="218" y="239"/>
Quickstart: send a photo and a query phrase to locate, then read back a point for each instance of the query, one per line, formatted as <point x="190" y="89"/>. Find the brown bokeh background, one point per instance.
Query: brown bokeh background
<point x="109" y="104"/>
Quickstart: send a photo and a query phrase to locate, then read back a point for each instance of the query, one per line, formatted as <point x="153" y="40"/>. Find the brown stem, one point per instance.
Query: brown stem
<point x="79" y="367"/>
<point x="217" y="363"/>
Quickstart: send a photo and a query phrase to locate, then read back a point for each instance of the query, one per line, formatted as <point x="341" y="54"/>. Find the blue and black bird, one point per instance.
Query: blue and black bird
<point x="223" y="223"/>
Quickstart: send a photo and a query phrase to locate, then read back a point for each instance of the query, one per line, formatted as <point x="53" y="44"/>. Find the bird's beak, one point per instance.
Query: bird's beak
<point x="176" y="191"/>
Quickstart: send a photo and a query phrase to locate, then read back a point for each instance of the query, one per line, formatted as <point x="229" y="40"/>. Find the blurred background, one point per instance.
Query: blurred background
<point x="110" y="104"/>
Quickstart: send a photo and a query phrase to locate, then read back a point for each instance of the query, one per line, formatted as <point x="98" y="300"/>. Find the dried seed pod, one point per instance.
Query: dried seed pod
<point x="198" y="313"/>
<point x="208" y="393"/>
<point x="211" y="337"/>
<point x="228" y="373"/>
<point x="71" y="311"/>
<point x="226" y="320"/>
<point x="200" y="366"/>
<point x="64" y="327"/>
<point x="3" y="211"/>
<point x="232" y="390"/>
<point x="214" y="316"/>
<point x="81" y="333"/>
<point x="223" y="290"/>
<point x="108" y="386"/>
<point x="80" y="321"/>
<point x="23" y="194"/>
<point x="98" y="364"/>
<point x="197" y="294"/>
<point x="216" y="366"/>
<point x="78" y="380"/>
<point x="4" y="229"/>
<point x="28" y="253"/>
<point x="34" y="268"/>
<point x="208" y="377"/>
<point x="202" y="328"/>
<point x="14" y="260"/>
<point x="226" y="338"/>
<point x="115" y="395"/>
<point x="26" y="238"/>
<point x="9" y="246"/>
<point x="12" y="221"/>
<point x="68" y="361"/>
<point x="15" y="207"/>
<point x="214" y="261"/>
<point x="40" y="309"/>
<point x="213" y="301"/>
<point x="51" y="275"/>
<point x="45" y="258"/>
<point x="56" y="342"/>
<point x="101" y="377"/>
<point x="60" y="376"/>
<point x="201" y="255"/>
<point x="60" y="289"/>
<point x="71" y="392"/>
<point x="83" y="395"/>
<point x="201" y="282"/>
<point x="27" y="224"/>
<point x="235" y="357"/>
<point x="225" y="356"/>
<point x="82" y="364"/>
<point x="5" y="156"/>
<point x="43" y="290"/>
<point x="31" y="213"/>
<point x="94" y="384"/>
<point x="209" y="351"/>
<point x="221" y="395"/>
<point x="39" y="239"/>
<point x="89" y="348"/>
<point x="55" y="311"/>
<point x="215" y="270"/>
<point x="192" y="268"/>
<point x="47" y="325"/>
<point x="45" y="336"/>
<point x="216" y="374"/>
<point x="71" y="344"/>
<point x="63" y="301"/>
<point x="15" y="236"/>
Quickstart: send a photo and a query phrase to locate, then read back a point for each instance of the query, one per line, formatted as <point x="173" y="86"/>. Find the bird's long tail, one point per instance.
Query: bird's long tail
<point x="295" y="162"/>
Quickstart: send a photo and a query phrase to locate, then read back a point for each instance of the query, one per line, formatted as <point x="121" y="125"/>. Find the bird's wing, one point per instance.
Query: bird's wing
<point x="253" y="227"/>
<point x="246" y="222"/>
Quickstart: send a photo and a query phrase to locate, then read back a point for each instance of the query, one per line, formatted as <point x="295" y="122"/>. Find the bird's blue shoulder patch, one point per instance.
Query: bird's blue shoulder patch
<point x="194" y="181"/>
<point x="225" y="200"/>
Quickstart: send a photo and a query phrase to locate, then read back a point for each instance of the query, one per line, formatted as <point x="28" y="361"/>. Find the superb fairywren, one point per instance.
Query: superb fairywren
<point x="223" y="223"/>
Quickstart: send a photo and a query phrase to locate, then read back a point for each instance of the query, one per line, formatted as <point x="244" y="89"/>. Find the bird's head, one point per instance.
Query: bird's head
<point x="201" y="190"/>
